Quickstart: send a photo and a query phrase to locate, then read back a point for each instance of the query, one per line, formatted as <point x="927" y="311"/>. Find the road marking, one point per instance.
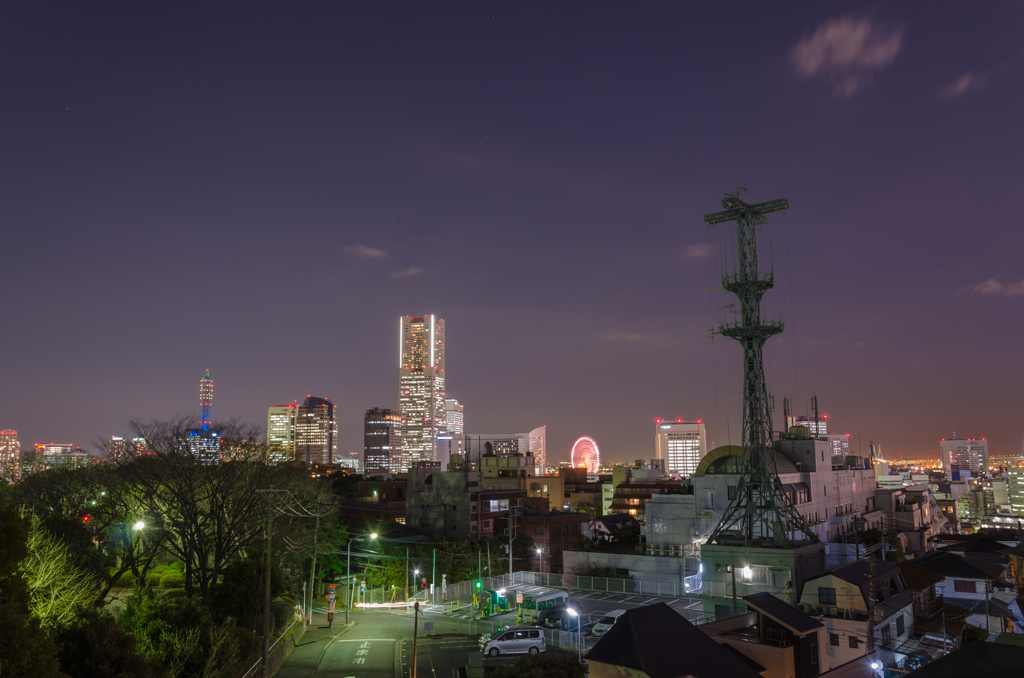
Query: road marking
<point x="630" y="598"/>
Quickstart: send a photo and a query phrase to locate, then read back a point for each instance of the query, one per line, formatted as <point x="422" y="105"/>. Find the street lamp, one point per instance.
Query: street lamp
<point x="540" y="566"/>
<point x="348" y="573"/>
<point x="579" y="634"/>
<point x="139" y="525"/>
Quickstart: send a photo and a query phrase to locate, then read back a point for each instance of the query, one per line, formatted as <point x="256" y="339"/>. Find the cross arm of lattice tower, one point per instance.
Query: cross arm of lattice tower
<point x="734" y="209"/>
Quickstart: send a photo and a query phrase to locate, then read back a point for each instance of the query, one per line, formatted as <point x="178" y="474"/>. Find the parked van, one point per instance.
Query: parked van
<point x="541" y="603"/>
<point x="514" y="640"/>
<point x="607" y="621"/>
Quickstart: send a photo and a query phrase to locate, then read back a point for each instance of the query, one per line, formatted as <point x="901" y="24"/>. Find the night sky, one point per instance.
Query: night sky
<point x="262" y="190"/>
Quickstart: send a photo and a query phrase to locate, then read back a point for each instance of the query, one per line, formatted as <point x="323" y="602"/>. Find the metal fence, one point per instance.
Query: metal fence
<point x="259" y="662"/>
<point x="571" y="582"/>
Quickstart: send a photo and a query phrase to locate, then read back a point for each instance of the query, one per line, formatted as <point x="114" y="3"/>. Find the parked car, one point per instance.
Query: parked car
<point x="607" y="621"/>
<point x="514" y="640"/>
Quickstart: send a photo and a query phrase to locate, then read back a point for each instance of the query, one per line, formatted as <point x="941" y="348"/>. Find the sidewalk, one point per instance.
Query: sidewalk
<point x="304" y="659"/>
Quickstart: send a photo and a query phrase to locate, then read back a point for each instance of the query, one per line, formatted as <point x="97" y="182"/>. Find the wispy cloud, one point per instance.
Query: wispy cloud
<point x="407" y="273"/>
<point x="698" y="251"/>
<point x="367" y="253"/>
<point x="846" y="51"/>
<point x="963" y="84"/>
<point x="993" y="286"/>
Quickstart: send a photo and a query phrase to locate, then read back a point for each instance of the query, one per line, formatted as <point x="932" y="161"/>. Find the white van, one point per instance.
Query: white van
<point x="542" y="602"/>
<point x="515" y="640"/>
<point x="607" y="621"/>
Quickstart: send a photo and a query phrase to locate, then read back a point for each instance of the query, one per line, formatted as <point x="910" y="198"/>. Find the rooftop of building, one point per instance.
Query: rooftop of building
<point x="975" y="659"/>
<point x="649" y="639"/>
<point x="957" y="566"/>
<point x="787" y="615"/>
<point x="917" y="577"/>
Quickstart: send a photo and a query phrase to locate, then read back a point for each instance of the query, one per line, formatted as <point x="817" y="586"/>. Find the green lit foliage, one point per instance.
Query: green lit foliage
<point x="457" y="559"/>
<point x="544" y="665"/>
<point x="59" y="591"/>
<point x="176" y="632"/>
<point x="26" y="648"/>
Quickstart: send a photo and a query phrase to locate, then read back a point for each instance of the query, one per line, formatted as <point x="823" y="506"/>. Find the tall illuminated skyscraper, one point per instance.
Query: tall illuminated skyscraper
<point x="205" y="400"/>
<point x="117" y="453"/>
<point x="139" y="447"/>
<point x="316" y="431"/>
<point x="453" y="416"/>
<point x="382" y="441"/>
<point x="421" y="364"/>
<point x="10" y="455"/>
<point x="281" y="432"/>
<point x="681" y="444"/>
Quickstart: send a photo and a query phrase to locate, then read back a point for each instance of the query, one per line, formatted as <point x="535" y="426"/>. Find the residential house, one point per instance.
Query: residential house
<point x="655" y="641"/>
<point x="968" y="582"/>
<point x="842" y="598"/>
<point x="788" y="643"/>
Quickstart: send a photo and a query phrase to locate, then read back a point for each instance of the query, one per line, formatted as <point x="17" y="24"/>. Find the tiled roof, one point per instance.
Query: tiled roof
<point x="785" y="614"/>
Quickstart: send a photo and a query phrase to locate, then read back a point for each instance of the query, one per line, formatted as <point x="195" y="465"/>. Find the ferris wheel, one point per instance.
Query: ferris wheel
<point x="585" y="453"/>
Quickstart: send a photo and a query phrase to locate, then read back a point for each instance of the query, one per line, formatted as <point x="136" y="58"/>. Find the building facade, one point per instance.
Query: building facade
<point x="281" y="420"/>
<point x="680" y="444"/>
<point x="968" y="454"/>
<point x="382" y="441"/>
<point x="205" y="400"/>
<point x="316" y="431"/>
<point x="10" y="455"/>
<point x="421" y="387"/>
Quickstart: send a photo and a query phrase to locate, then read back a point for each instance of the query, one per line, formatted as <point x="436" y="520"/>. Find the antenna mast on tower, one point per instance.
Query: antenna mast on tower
<point x="759" y="514"/>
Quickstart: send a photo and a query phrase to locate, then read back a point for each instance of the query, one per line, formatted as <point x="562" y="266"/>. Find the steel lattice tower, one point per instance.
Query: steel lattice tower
<point x="759" y="514"/>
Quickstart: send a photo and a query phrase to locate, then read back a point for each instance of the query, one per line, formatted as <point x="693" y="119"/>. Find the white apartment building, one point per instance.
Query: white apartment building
<point x="969" y="454"/>
<point x="680" y="444"/>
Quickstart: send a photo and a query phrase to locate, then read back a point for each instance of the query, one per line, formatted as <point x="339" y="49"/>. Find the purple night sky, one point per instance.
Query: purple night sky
<point x="262" y="189"/>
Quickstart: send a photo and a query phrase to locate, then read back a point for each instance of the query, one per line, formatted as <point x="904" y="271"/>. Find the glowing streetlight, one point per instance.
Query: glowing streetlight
<point x="139" y="525"/>
<point x="579" y="634"/>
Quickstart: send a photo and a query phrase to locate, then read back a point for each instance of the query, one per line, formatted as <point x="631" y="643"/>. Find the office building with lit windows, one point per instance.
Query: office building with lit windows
<point x="316" y="431"/>
<point x="840" y="444"/>
<point x="382" y="441"/>
<point x="281" y="432"/>
<point x="10" y="455"/>
<point x="816" y="427"/>
<point x="969" y="454"/>
<point x="205" y="400"/>
<point x="453" y="416"/>
<point x="138" y="447"/>
<point x="117" y="451"/>
<point x="681" y="444"/>
<point x="421" y="363"/>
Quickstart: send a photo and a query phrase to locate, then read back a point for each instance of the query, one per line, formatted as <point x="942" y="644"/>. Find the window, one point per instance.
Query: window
<point x="854" y="642"/>
<point x="565" y="529"/>
<point x="962" y="586"/>
<point x="887" y="635"/>
<point x="539" y="530"/>
<point x="731" y="491"/>
<point x="900" y="629"/>
<point x="833" y="639"/>
<point x="522" y="635"/>
<point x="827" y="596"/>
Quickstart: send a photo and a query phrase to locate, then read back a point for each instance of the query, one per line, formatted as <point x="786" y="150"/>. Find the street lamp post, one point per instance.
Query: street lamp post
<point x="540" y="566"/>
<point x="348" y="573"/>
<point x="579" y="634"/>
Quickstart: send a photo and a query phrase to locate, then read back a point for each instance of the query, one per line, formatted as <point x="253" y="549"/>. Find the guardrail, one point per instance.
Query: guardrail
<point x="259" y="662"/>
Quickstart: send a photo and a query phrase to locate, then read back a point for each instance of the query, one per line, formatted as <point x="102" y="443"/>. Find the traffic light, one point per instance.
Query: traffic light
<point x="479" y="584"/>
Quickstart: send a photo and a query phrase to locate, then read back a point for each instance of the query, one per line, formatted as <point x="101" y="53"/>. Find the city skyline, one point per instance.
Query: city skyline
<point x="546" y="199"/>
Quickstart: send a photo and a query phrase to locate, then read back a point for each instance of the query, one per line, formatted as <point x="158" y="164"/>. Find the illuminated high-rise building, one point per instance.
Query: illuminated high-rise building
<point x="138" y="447"/>
<point x="453" y="417"/>
<point x="421" y="363"/>
<point x="281" y="432"/>
<point x="968" y="454"/>
<point x="117" y="452"/>
<point x="681" y="444"/>
<point x="382" y="441"/>
<point x="539" y="448"/>
<point x="10" y="455"/>
<point x="205" y="400"/>
<point x="316" y="431"/>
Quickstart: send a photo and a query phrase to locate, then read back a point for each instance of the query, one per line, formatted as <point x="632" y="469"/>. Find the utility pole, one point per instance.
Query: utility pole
<point x="511" y="530"/>
<point x="490" y="572"/>
<point x="415" y="635"/>
<point x="312" y="569"/>
<point x="871" y="607"/>
<point x="266" y="605"/>
<point x="732" y="569"/>
<point x="988" y="619"/>
<point x="407" y="574"/>
<point x="433" y="579"/>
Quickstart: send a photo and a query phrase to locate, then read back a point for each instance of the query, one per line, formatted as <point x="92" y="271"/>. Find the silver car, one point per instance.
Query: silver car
<point x="514" y="640"/>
